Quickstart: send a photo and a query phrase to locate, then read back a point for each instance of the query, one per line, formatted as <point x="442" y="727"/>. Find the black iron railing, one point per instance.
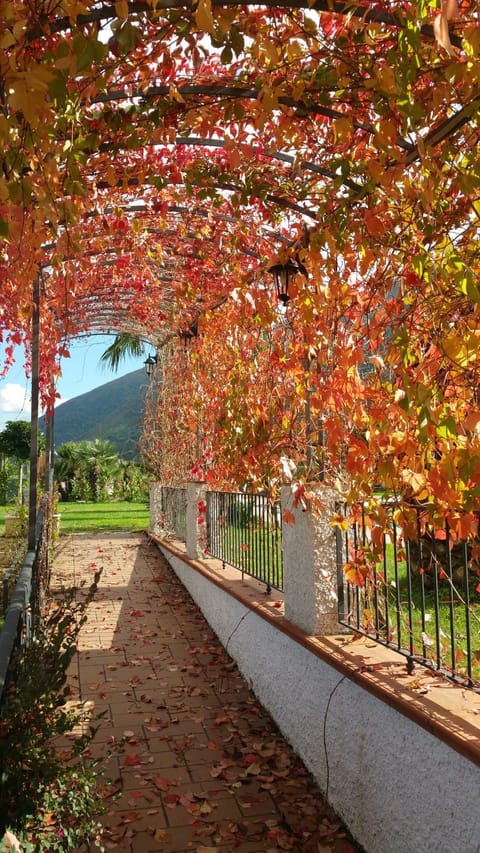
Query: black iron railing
<point x="25" y="607"/>
<point x="174" y="511"/>
<point x="244" y="530"/>
<point x="420" y="597"/>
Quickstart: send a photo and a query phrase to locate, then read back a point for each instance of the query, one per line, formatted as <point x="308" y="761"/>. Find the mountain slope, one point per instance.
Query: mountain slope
<point x="113" y="411"/>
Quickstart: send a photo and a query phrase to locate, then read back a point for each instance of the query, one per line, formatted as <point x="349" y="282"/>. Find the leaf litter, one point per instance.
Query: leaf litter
<point x="258" y="794"/>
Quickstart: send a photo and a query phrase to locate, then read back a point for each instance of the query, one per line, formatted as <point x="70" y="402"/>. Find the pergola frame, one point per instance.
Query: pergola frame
<point x="161" y="156"/>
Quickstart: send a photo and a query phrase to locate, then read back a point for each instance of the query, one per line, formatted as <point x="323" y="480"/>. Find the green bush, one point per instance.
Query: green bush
<point x="48" y="793"/>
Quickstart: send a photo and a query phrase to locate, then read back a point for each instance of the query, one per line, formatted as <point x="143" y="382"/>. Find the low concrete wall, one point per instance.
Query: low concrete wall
<point x="398" y="788"/>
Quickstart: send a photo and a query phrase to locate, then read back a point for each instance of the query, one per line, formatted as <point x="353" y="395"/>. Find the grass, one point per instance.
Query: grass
<point x="427" y="638"/>
<point x="255" y="549"/>
<point x="8" y="509"/>
<point x="98" y="517"/>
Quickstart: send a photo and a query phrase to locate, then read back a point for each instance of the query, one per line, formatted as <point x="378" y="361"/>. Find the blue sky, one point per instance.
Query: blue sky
<point x="80" y="373"/>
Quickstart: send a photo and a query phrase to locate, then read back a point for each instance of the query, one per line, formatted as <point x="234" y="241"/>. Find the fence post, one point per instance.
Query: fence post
<point x="196" y="519"/>
<point x="309" y="563"/>
<point x="156" y="524"/>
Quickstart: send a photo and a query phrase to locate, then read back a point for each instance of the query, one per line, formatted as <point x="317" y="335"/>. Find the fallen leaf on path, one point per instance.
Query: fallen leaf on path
<point x="111" y="790"/>
<point x="130" y="817"/>
<point x="253" y="770"/>
<point x="160" y="835"/>
<point x="132" y="760"/>
<point x="163" y="784"/>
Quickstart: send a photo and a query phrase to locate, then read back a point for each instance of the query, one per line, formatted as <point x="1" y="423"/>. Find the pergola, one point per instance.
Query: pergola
<point x="160" y="156"/>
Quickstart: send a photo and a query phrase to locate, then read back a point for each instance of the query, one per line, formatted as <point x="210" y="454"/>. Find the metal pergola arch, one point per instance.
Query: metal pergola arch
<point x="348" y="189"/>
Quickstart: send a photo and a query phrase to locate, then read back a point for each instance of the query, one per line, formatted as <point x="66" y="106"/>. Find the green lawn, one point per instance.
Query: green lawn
<point x="427" y="637"/>
<point x="254" y="548"/>
<point x="96" y="517"/>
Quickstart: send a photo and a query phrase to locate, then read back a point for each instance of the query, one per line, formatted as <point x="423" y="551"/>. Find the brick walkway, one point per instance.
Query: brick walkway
<point x="197" y="763"/>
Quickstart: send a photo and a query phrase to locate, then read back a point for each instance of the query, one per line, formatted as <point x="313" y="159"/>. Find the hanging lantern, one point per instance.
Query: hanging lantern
<point x="283" y="276"/>
<point x="189" y="332"/>
<point x="150" y="363"/>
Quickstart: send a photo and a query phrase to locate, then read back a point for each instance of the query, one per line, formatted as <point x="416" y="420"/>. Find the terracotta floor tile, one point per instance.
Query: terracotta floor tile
<point x="180" y="724"/>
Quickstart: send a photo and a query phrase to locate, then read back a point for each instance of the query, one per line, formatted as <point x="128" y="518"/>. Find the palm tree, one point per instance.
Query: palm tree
<point x="99" y="462"/>
<point x="85" y="468"/>
<point x="67" y="465"/>
<point x="123" y="345"/>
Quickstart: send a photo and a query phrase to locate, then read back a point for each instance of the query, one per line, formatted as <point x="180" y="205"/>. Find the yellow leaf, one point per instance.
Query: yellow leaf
<point x="160" y="835"/>
<point x="385" y="132"/>
<point x="294" y="50"/>
<point x="415" y="480"/>
<point x="175" y="94"/>
<point x="386" y="81"/>
<point x="342" y="129"/>
<point x="204" y="17"/>
<point x="339" y="521"/>
<point x="38" y="77"/>
<point x="461" y="349"/>
<point x="271" y="51"/>
<point x="253" y="769"/>
<point x="121" y="9"/>
<point x="20" y="100"/>
<point x="471" y="40"/>
<point x="7" y="40"/>
<point x="75" y="10"/>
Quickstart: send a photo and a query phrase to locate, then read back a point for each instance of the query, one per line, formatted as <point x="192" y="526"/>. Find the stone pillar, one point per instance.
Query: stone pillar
<point x="196" y="519"/>
<point x="156" y="523"/>
<point x="309" y="564"/>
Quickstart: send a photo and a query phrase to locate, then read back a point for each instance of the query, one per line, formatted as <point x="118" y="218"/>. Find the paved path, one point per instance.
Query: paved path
<point x="197" y="763"/>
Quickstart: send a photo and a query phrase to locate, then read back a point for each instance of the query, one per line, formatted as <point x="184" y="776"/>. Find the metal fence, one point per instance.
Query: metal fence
<point x="27" y="600"/>
<point x="420" y="598"/>
<point x="174" y="511"/>
<point x="245" y="531"/>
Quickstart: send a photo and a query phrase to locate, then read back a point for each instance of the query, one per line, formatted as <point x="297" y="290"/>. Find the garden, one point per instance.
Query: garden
<point x="280" y="203"/>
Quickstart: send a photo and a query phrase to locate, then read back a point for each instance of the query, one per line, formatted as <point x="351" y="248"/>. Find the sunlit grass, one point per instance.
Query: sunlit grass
<point x="253" y="548"/>
<point x="444" y="620"/>
<point x="95" y="517"/>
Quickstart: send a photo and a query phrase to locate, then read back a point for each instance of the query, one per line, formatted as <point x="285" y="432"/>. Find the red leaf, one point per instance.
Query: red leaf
<point x="162" y="783"/>
<point x="132" y="760"/>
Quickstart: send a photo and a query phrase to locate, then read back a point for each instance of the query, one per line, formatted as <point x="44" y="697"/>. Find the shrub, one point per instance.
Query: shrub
<point x="47" y="790"/>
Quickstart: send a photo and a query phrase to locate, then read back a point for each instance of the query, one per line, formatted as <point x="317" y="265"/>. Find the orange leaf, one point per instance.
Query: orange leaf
<point x="374" y="225"/>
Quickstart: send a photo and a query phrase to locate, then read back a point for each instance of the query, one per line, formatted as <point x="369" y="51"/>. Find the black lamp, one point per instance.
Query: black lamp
<point x="189" y="332"/>
<point x="150" y="363"/>
<point x="283" y="275"/>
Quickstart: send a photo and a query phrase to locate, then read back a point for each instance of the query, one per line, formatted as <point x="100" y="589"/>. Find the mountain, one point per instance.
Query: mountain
<point x="113" y="411"/>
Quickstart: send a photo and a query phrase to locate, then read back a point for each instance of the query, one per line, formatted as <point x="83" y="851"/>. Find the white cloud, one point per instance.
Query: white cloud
<point x="14" y="399"/>
<point x="15" y="403"/>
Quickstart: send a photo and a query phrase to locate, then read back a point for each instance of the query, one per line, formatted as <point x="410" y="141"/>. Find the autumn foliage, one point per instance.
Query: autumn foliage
<point x="155" y="161"/>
